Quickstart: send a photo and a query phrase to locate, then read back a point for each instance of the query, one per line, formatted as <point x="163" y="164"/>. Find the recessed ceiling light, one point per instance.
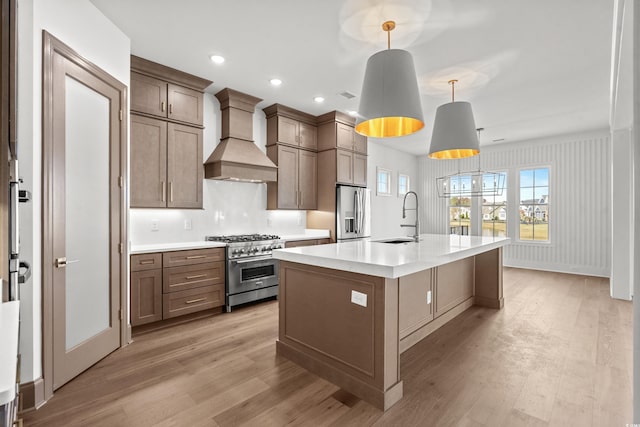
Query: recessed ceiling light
<point x="352" y="112"/>
<point x="217" y="59"/>
<point x="318" y="99"/>
<point x="275" y="82"/>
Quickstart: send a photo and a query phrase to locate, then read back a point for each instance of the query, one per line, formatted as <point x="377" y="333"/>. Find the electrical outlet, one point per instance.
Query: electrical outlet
<point x="187" y="224"/>
<point x="428" y="297"/>
<point x="359" y="298"/>
<point x="269" y="222"/>
<point x="155" y="226"/>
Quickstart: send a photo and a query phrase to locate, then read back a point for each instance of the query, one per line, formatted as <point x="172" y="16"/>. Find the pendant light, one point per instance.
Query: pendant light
<point x="454" y="130"/>
<point x="390" y="100"/>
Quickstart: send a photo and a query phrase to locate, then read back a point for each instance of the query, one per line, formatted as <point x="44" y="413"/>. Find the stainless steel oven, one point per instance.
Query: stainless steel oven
<point x="252" y="274"/>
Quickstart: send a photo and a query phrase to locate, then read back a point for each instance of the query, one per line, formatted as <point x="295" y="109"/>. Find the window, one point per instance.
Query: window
<point x="383" y="182"/>
<point x="403" y="185"/>
<point x="494" y="207"/>
<point x="534" y="205"/>
<point x="460" y="206"/>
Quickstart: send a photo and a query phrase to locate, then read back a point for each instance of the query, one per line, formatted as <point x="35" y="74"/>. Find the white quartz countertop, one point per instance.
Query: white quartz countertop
<point x="392" y="260"/>
<point x="309" y="234"/>
<point x="167" y="247"/>
<point x="9" y="316"/>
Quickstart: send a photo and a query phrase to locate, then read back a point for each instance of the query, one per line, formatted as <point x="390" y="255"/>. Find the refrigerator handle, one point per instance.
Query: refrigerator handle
<point x="356" y="212"/>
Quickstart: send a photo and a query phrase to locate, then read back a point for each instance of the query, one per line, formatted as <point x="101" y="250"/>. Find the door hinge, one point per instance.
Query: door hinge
<point x="120" y="314"/>
<point x="121" y="248"/>
<point x="121" y="181"/>
<point x="121" y="115"/>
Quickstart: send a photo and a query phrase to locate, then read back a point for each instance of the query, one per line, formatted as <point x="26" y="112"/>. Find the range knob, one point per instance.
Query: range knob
<point x="234" y="252"/>
<point x="265" y="248"/>
<point x="241" y="251"/>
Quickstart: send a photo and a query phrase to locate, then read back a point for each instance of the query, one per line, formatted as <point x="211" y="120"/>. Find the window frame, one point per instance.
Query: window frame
<point x="516" y="213"/>
<point x="400" y="176"/>
<point x="388" y="172"/>
<point x="507" y="204"/>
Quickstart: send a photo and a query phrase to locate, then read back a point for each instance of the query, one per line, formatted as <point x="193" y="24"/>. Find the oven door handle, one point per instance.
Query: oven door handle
<point x="246" y="261"/>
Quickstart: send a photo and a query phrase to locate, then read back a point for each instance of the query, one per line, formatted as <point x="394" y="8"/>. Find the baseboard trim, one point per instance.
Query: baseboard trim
<point x="31" y="395"/>
<point x="557" y="268"/>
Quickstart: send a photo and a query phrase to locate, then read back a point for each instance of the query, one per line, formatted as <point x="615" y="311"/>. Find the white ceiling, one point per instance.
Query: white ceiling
<point x="529" y="68"/>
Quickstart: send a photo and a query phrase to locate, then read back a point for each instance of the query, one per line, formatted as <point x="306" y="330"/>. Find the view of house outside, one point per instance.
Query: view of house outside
<point x="534" y="204"/>
<point x="494" y="206"/>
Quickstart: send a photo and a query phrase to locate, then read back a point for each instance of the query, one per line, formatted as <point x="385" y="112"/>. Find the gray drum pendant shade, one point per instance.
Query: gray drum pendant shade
<point x="454" y="132"/>
<point x="390" y="100"/>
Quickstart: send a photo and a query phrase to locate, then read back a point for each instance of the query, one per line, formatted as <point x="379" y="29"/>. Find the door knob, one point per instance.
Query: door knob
<point x="62" y="262"/>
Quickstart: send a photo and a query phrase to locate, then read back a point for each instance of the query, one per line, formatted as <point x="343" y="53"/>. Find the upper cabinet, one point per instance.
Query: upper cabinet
<point x="335" y="130"/>
<point x="288" y="126"/>
<point x="167" y="93"/>
<point x="166" y="136"/>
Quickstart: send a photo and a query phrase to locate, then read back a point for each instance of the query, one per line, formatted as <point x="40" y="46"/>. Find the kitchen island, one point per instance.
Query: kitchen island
<point x="348" y="310"/>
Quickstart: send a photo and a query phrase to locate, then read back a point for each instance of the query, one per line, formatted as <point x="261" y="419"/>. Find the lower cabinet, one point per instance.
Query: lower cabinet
<point x="170" y="284"/>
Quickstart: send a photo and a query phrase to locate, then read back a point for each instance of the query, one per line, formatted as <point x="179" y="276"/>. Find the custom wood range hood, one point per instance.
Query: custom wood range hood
<point x="236" y="157"/>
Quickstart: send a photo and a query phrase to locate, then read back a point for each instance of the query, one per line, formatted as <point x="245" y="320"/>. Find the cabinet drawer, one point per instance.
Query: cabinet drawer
<point x="146" y="261"/>
<point x="192" y="300"/>
<point x="196" y="256"/>
<point x="192" y="276"/>
<point x="300" y="243"/>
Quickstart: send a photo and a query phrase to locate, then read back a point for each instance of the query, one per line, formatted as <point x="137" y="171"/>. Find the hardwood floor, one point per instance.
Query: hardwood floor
<point x="559" y="353"/>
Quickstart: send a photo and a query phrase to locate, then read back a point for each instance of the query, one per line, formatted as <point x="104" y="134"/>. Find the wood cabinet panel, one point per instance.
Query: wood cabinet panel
<point x="192" y="300"/>
<point x="454" y="284"/>
<point x="148" y="158"/>
<point x="344" y="166"/>
<point x="142" y="262"/>
<point x="192" y="276"/>
<point x="148" y="95"/>
<point x="359" y="143"/>
<point x="287" y="177"/>
<point x="415" y="308"/>
<point x="359" y="169"/>
<point x="185" y="104"/>
<point x="308" y="136"/>
<point x="287" y="130"/>
<point x="146" y="296"/>
<point x="196" y="256"/>
<point x="307" y="180"/>
<point x="185" y="170"/>
<point x="344" y="136"/>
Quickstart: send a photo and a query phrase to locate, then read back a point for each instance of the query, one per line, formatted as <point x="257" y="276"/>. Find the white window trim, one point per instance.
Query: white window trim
<point x="389" y="187"/>
<point x="400" y="194"/>
<point x="516" y="211"/>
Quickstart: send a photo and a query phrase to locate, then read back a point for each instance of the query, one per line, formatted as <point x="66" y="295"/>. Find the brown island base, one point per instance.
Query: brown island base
<point x="350" y="328"/>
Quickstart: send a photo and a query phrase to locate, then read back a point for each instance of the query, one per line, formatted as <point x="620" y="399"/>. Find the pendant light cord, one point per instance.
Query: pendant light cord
<point x="388" y="26"/>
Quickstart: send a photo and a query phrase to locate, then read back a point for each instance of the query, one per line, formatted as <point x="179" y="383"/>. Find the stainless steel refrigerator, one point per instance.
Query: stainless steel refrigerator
<point x="353" y="213"/>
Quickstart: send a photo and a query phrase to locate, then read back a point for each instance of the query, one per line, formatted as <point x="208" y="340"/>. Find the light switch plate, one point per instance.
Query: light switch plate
<point x="359" y="298"/>
<point x="187" y="224"/>
<point x="155" y="225"/>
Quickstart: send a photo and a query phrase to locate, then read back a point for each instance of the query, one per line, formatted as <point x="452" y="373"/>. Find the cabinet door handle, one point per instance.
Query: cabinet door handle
<point x="146" y="262"/>
<point x="162" y="106"/>
<point x="196" y="257"/>
<point x="170" y="191"/>
<point x="300" y="198"/>
<point x="197" y="276"/>
<point x="194" y="300"/>
<point x="164" y="191"/>
<point x="170" y="108"/>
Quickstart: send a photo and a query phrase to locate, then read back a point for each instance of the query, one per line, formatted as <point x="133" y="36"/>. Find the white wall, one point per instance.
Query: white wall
<point x="81" y="26"/>
<point x="580" y="210"/>
<point x="386" y="211"/>
<point x="229" y="207"/>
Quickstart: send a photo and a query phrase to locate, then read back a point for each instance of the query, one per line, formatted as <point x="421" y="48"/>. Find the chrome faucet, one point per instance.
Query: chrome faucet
<point x="416" y="236"/>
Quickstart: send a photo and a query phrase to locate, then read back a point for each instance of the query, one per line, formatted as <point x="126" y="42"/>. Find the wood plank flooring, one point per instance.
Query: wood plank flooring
<point x="558" y="354"/>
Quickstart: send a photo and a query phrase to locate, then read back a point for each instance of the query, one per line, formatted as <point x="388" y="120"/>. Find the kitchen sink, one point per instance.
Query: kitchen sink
<point x="397" y="240"/>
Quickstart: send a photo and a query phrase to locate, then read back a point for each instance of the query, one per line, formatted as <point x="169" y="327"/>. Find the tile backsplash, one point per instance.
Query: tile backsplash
<point x="229" y="208"/>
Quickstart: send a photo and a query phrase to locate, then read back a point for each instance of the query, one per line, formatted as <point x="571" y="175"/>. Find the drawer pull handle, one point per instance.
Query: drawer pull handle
<point x="196" y="256"/>
<point x="147" y="261"/>
<point x="197" y="276"/>
<point x="194" y="300"/>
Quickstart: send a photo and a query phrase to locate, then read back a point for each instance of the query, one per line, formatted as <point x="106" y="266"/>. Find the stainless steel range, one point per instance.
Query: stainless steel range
<point x="252" y="274"/>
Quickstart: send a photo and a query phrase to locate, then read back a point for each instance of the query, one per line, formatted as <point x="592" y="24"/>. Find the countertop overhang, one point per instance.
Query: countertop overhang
<point x="389" y="260"/>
